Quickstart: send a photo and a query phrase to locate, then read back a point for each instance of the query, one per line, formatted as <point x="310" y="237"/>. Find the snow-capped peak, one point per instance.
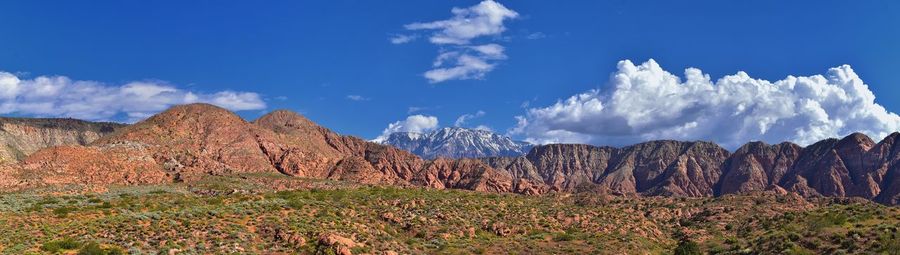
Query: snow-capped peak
<point x="457" y="142"/>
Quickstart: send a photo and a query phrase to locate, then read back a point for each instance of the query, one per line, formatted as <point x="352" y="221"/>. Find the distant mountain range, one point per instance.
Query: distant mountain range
<point x="456" y="142"/>
<point x="189" y="143"/>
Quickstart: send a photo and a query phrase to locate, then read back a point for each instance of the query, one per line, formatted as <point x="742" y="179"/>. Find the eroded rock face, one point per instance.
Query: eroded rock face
<point x="889" y="167"/>
<point x="757" y="166"/>
<point x="651" y="168"/>
<point x="119" y="163"/>
<point x="839" y="168"/>
<point x="21" y="137"/>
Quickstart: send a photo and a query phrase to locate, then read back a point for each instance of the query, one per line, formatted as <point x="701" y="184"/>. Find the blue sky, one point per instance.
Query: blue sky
<point x="315" y="57"/>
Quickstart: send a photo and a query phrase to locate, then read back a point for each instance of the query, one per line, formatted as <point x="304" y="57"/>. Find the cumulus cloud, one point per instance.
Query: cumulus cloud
<point x="644" y="102"/>
<point x="458" y="58"/>
<point x="60" y="96"/>
<point x="414" y="123"/>
<point x="466" y="117"/>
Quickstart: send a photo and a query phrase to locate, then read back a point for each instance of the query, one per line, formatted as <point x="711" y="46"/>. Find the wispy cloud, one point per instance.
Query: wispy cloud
<point x="60" y="96"/>
<point x="459" y="59"/>
<point x="401" y="39"/>
<point x="358" y="98"/>
<point x="415" y="109"/>
<point x="535" y="36"/>
<point x="466" y="117"/>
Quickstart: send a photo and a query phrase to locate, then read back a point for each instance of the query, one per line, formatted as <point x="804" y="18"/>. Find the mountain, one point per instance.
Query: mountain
<point x="456" y="142"/>
<point x="652" y="168"/>
<point x="190" y="143"/>
<point x="187" y="143"/>
<point x="21" y="137"/>
<point x="854" y="166"/>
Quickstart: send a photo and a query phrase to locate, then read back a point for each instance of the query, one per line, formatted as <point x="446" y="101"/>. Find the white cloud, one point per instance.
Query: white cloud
<point x="535" y="36"/>
<point x="484" y="128"/>
<point x="59" y="96"/>
<point x="413" y="123"/>
<point x="413" y="109"/>
<point x="358" y="98"/>
<point x="465" y="63"/>
<point x="483" y="19"/>
<point x="645" y="102"/>
<point x="466" y="117"/>
<point x="401" y="39"/>
<point x="460" y="60"/>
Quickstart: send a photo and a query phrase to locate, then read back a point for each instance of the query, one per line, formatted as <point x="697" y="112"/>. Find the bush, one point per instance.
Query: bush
<point x="91" y="248"/>
<point x="60" y="245"/>
<point x="687" y="247"/>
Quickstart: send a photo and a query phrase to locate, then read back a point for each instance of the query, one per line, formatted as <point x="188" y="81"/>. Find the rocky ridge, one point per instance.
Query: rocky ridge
<point x="189" y="142"/>
<point x="854" y="166"/>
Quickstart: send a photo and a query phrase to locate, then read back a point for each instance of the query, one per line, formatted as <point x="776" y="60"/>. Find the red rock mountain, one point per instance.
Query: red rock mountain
<point x="652" y="168"/>
<point x="757" y="166"/>
<point x="189" y="142"/>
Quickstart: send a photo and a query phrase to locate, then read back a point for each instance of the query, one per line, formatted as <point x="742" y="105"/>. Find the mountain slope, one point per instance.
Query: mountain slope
<point x="651" y="168"/>
<point x="455" y="142"/>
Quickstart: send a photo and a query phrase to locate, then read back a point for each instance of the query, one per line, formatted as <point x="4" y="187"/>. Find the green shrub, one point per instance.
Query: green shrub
<point x="93" y="248"/>
<point x="687" y="247"/>
<point x="60" y="245"/>
<point x="64" y="211"/>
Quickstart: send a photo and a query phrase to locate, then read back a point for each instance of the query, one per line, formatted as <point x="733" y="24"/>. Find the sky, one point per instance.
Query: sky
<point x="599" y="72"/>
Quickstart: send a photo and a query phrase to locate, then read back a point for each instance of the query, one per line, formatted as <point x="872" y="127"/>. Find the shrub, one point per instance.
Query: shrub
<point x="60" y="245"/>
<point x="93" y="248"/>
<point x="64" y="211"/>
<point x="687" y="247"/>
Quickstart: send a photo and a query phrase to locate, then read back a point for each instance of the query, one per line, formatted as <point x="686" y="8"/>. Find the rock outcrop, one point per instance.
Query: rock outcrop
<point x="21" y="137"/>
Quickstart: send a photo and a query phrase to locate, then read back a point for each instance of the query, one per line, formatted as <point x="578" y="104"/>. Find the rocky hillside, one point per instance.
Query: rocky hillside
<point x="189" y="142"/>
<point x="21" y="137"/>
<point x="455" y="142"/>
<point x="192" y="142"/>
<point x="652" y="168"/>
<point x="854" y="166"/>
